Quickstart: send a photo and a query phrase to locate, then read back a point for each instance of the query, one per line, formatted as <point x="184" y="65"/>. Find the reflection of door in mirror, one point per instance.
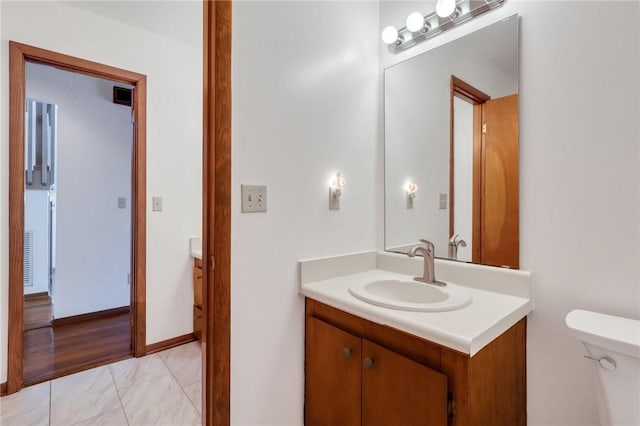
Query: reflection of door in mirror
<point x="483" y="176"/>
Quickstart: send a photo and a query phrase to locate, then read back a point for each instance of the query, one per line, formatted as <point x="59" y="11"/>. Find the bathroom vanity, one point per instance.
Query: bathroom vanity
<point x="197" y="297"/>
<point x="195" y="246"/>
<point x="372" y="365"/>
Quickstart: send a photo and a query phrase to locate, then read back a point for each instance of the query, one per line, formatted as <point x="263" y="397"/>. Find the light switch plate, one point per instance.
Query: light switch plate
<point x="156" y="204"/>
<point x="443" y="201"/>
<point x="334" y="199"/>
<point x="122" y="202"/>
<point x="254" y="198"/>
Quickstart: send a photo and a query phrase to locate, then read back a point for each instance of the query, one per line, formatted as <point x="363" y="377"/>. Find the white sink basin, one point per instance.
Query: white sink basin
<point x="411" y="295"/>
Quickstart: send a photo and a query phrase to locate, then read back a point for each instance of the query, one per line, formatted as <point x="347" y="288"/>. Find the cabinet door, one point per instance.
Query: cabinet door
<point x="197" y="286"/>
<point x="399" y="391"/>
<point x="197" y="321"/>
<point x="333" y="375"/>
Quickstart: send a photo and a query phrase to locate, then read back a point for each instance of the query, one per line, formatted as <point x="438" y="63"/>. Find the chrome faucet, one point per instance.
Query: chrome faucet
<point x="454" y="243"/>
<point x="429" y="275"/>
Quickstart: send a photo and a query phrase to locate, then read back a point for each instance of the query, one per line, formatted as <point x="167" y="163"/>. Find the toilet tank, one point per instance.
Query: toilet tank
<point x="612" y="345"/>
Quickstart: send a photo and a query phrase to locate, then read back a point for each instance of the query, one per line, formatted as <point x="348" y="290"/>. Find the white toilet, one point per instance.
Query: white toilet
<point x="613" y="346"/>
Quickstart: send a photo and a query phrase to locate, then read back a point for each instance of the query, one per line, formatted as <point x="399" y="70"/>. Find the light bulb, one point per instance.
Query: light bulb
<point x="445" y="8"/>
<point x="412" y="188"/>
<point x="339" y="182"/>
<point x="389" y="35"/>
<point x="415" y="22"/>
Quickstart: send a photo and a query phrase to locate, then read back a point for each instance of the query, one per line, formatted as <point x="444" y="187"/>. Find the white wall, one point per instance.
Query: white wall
<point x="305" y="94"/>
<point x="463" y="175"/>
<point x="174" y="143"/>
<point x="94" y="149"/>
<point x="579" y="182"/>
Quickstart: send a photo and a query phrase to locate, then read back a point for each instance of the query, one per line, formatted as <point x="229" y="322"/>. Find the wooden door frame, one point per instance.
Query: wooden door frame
<point x="463" y="90"/>
<point x="216" y="202"/>
<point x="19" y="54"/>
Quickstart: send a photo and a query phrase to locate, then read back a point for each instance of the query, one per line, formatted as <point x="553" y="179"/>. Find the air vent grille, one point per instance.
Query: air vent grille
<point x="27" y="273"/>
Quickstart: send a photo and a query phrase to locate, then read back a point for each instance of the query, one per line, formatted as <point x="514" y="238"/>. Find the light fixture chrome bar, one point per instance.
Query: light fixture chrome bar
<point x="466" y="10"/>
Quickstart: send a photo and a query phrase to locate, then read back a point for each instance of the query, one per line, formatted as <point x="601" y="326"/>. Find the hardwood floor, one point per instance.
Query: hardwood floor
<point x="51" y="352"/>
<point x="38" y="311"/>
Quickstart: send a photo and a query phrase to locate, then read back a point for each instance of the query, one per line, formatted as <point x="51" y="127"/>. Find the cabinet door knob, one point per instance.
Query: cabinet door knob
<point x="368" y="363"/>
<point x="347" y="352"/>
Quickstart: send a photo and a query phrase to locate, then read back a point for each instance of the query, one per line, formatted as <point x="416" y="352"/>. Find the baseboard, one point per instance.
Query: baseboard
<point x="3" y="389"/>
<point x="170" y="343"/>
<point x="90" y="316"/>
<point x="36" y="295"/>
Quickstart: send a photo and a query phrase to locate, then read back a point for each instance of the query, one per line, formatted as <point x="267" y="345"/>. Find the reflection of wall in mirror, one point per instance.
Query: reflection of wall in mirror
<point x="463" y="176"/>
<point x="416" y="108"/>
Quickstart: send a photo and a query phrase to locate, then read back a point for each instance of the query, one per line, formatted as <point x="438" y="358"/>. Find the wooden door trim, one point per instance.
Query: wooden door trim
<point x="216" y="203"/>
<point x="478" y="184"/>
<point x="19" y="54"/>
<point x="462" y="90"/>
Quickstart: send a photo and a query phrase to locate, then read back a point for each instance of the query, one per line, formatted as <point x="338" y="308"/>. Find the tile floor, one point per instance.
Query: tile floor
<point x="162" y="389"/>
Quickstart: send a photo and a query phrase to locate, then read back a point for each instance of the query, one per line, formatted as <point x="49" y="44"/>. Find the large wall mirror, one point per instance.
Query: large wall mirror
<point x="451" y="148"/>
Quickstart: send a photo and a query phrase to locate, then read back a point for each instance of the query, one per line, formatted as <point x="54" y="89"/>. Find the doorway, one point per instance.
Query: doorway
<point x="483" y="177"/>
<point x="23" y="170"/>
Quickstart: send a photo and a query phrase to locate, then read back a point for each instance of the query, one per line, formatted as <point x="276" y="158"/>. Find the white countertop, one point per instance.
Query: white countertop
<point x="195" y="247"/>
<point x="502" y="303"/>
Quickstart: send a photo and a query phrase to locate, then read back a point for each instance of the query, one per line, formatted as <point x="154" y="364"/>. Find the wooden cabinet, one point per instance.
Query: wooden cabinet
<point x="333" y="375"/>
<point x="399" y="391"/>
<point x="197" y="298"/>
<point x="352" y="381"/>
<point x="361" y="373"/>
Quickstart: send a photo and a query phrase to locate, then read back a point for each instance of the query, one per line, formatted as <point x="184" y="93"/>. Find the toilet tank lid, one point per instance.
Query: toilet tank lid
<point x="607" y="331"/>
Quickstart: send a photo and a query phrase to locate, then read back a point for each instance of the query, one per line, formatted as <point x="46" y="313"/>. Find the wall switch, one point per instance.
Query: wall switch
<point x="157" y="204"/>
<point x="254" y="198"/>
<point x="122" y="202"/>
<point x="443" y="201"/>
<point x="410" y="198"/>
<point x="334" y="198"/>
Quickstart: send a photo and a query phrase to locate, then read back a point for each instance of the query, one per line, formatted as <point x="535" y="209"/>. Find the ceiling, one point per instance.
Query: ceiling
<point x="177" y="19"/>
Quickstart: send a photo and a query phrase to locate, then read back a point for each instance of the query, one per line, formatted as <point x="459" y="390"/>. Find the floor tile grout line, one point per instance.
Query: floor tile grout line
<point x="153" y="378"/>
<point x="94" y="370"/>
<point x="169" y="368"/>
<point x="146" y="379"/>
<point x="4" y="399"/>
<point x="115" y="385"/>
<point x="118" y="391"/>
<point x="176" y="379"/>
<point x="190" y="400"/>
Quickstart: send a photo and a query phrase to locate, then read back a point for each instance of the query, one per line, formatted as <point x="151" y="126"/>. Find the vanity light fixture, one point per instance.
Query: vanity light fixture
<point x="415" y="23"/>
<point x="448" y="14"/>
<point x="335" y="191"/>
<point x="390" y="35"/>
<point x="411" y="191"/>
<point x="445" y="8"/>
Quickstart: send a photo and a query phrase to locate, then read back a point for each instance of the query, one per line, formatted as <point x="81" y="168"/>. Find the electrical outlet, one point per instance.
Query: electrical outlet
<point x="443" y="201"/>
<point x="254" y="198"/>
<point x="156" y="204"/>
